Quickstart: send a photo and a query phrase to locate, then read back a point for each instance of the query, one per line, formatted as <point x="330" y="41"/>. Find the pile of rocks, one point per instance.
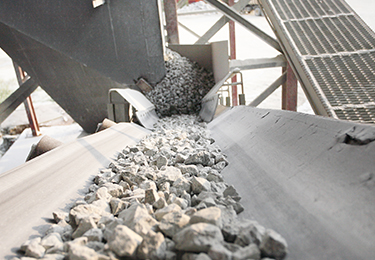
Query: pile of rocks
<point x="182" y="88"/>
<point x="164" y="198"/>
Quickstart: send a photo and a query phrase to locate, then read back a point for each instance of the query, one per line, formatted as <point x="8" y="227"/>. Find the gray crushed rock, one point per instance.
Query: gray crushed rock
<point x="164" y="198"/>
<point x="182" y="88"/>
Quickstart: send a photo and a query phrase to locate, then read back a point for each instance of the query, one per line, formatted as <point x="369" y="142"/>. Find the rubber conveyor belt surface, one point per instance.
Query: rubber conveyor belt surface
<point x="309" y="178"/>
<point x="53" y="181"/>
<point x="332" y="52"/>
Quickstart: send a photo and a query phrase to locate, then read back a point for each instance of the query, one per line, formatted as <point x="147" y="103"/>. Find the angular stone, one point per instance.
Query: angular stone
<point x="249" y="232"/>
<point x="146" y="185"/>
<point x="58" y="216"/>
<point x="114" y="190"/>
<point x="170" y="174"/>
<point x="82" y="211"/>
<point x="77" y="252"/>
<point x="182" y="185"/>
<point x="96" y="246"/>
<point x="202" y="158"/>
<point x="160" y="203"/>
<point x="110" y="228"/>
<point x="232" y="192"/>
<point x="189" y="169"/>
<point x="117" y="205"/>
<point x="210" y="215"/>
<point x="219" y="166"/>
<point x="198" y="237"/>
<point x="84" y="225"/>
<point x="102" y="194"/>
<point x="218" y="251"/>
<point x="153" y="246"/>
<point x="52" y="240"/>
<point x="124" y="241"/>
<point x="131" y="214"/>
<point x="249" y="252"/>
<point x="151" y="196"/>
<point x="33" y="248"/>
<point x="94" y="234"/>
<point x="273" y="245"/>
<point x="161" y="161"/>
<point x="183" y="203"/>
<point x="180" y="158"/>
<point x="199" y="184"/>
<point x="103" y="205"/>
<point x="173" y="222"/>
<point x="168" y="209"/>
<point x="143" y="225"/>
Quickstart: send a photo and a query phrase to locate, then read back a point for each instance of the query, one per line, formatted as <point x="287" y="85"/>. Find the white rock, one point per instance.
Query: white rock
<point x="85" y="224"/>
<point x="183" y="203"/>
<point x="170" y="208"/>
<point x="114" y="190"/>
<point x="124" y="241"/>
<point x="153" y="246"/>
<point x="210" y="215"/>
<point x="173" y="222"/>
<point x="160" y="203"/>
<point x="198" y="237"/>
<point x="77" y="252"/>
<point x="170" y="174"/>
<point x="94" y="234"/>
<point x="52" y="240"/>
<point x="199" y="184"/>
<point x="33" y="248"/>
<point x="182" y="185"/>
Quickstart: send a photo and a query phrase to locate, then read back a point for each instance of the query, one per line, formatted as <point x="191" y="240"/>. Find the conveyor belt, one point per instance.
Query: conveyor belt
<point x="332" y="52"/>
<point x="53" y="181"/>
<point x="310" y="178"/>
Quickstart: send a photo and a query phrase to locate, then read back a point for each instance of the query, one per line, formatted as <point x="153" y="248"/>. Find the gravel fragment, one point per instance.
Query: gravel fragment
<point x="124" y="241"/>
<point x="198" y="237"/>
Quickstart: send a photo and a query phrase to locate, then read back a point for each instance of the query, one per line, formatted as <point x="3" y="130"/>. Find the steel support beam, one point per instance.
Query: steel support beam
<point x="28" y="103"/>
<point x="220" y="23"/>
<point x="170" y="10"/>
<point x="265" y="94"/>
<point x="250" y="64"/>
<point x="289" y="90"/>
<point x="16" y="98"/>
<point x="232" y="43"/>
<point x="234" y="15"/>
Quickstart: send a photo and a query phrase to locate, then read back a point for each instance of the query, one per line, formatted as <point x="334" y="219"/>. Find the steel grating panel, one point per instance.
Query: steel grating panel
<point x="333" y="53"/>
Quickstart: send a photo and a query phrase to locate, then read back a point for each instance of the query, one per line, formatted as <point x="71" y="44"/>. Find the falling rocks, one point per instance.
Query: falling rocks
<point x="198" y="237"/>
<point x="124" y="241"/>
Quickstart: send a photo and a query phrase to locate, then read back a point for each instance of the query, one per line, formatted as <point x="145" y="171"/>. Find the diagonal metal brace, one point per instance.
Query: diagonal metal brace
<point x="235" y="16"/>
<point x="220" y="23"/>
<point x="16" y="98"/>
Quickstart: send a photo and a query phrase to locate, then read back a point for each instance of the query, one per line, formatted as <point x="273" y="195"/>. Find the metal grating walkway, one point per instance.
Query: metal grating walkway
<point x="332" y="52"/>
